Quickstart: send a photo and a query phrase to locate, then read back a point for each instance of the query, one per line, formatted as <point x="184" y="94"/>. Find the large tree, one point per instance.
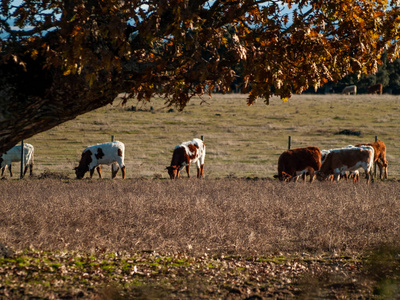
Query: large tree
<point x="62" y="58"/>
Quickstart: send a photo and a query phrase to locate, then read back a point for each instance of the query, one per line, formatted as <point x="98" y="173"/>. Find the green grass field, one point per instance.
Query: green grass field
<point x="241" y="140"/>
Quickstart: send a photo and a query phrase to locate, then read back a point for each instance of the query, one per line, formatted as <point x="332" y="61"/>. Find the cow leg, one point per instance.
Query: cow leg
<point x="311" y="175"/>
<point x="368" y="176"/>
<point x="380" y="166"/>
<point x="336" y="177"/>
<point x="26" y="169"/>
<point x="346" y="176"/>
<point x="30" y="169"/>
<point x="9" y="169"/>
<point x="98" y="169"/>
<point x="188" y="170"/>
<point x="304" y="176"/>
<point x="114" y="169"/>
<point x="91" y="172"/>
<point x="2" y="171"/>
<point x="356" y="177"/>
<point x="202" y="170"/>
<point x="198" y="169"/>
<point x="123" y="172"/>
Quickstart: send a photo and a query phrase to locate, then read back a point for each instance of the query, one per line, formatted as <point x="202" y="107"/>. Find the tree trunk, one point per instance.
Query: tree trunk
<point x="33" y="99"/>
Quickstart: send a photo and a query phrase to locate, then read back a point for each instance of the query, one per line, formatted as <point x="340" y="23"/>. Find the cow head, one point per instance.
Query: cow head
<point x="83" y="167"/>
<point x="80" y="171"/>
<point x="284" y="177"/>
<point x="173" y="171"/>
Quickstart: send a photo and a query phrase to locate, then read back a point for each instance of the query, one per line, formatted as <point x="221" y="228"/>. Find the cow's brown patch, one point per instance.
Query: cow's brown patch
<point x="99" y="154"/>
<point x="119" y="152"/>
<point x="193" y="149"/>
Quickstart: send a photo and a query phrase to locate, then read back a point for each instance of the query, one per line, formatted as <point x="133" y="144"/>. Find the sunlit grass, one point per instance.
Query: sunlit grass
<point x="238" y="137"/>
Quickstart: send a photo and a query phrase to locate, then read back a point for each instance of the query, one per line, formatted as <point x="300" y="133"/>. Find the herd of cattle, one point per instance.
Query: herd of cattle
<point x="292" y="164"/>
<point x="334" y="163"/>
<point x="373" y="89"/>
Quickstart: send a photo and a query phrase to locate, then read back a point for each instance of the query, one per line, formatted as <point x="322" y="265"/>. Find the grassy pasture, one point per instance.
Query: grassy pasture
<point x="241" y="141"/>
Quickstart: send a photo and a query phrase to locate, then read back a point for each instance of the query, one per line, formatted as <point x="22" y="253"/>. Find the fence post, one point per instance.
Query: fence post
<point x="376" y="138"/>
<point x="112" y="165"/>
<point x="202" y="138"/>
<point x="22" y="160"/>
<point x="289" y="142"/>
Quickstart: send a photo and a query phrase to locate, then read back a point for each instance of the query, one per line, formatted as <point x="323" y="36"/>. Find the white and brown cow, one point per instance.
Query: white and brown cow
<point x="379" y="156"/>
<point x="185" y="154"/>
<point x="338" y="161"/>
<point x="305" y="160"/>
<point x="102" y="154"/>
<point x="351" y="89"/>
<point x="14" y="155"/>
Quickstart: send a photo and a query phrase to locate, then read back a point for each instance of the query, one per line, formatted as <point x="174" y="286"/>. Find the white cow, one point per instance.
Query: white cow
<point x="351" y="89"/>
<point x="14" y="155"/>
<point x="102" y="154"/>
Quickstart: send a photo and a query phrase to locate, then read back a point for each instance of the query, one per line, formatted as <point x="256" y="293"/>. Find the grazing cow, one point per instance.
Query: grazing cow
<point x="102" y="154"/>
<point x="303" y="160"/>
<point x="341" y="160"/>
<point x="379" y="156"/>
<point x="185" y="154"/>
<point x="375" y="89"/>
<point x="14" y="155"/>
<point x="351" y="89"/>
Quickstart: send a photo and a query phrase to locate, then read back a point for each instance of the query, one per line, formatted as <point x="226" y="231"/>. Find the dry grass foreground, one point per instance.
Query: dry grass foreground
<point x="182" y="239"/>
<point x="217" y="216"/>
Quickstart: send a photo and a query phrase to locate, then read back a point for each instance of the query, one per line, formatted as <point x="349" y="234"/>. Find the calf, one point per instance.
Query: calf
<point x="303" y="160"/>
<point x="14" y="155"/>
<point x="379" y="156"/>
<point x="185" y="154"/>
<point x="341" y="160"/>
<point x="102" y="154"/>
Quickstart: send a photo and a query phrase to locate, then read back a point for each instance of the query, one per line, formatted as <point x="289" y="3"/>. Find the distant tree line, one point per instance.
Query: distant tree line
<point x="388" y="75"/>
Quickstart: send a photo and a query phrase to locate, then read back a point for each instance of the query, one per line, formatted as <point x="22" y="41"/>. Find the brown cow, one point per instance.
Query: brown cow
<point x="307" y="159"/>
<point x="379" y="156"/>
<point x="338" y="161"/>
<point x="376" y="88"/>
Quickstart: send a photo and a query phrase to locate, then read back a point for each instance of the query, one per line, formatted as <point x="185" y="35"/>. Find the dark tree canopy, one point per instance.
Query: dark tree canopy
<point x="62" y="58"/>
